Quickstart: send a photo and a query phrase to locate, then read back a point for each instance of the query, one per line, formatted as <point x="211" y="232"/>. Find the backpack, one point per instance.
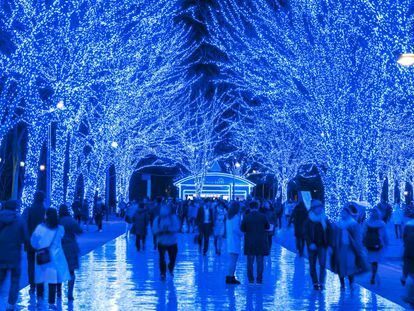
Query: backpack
<point x="372" y="240"/>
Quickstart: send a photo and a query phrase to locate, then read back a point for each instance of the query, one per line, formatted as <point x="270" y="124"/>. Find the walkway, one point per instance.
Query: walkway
<point x="116" y="277"/>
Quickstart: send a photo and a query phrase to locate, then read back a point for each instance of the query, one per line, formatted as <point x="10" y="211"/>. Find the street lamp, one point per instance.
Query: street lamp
<point x="22" y="164"/>
<point x="406" y="59"/>
<point x="42" y="167"/>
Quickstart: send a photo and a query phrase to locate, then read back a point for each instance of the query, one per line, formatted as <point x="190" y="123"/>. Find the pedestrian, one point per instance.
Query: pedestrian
<point x="255" y="226"/>
<point x="278" y="208"/>
<point x="165" y="227"/>
<point x="122" y="207"/>
<point x="34" y="216"/>
<point x="154" y="211"/>
<point x="375" y="239"/>
<point x="205" y="221"/>
<point x="408" y="268"/>
<point x="289" y="206"/>
<point x="70" y="247"/>
<point x="219" y="229"/>
<point x="270" y="214"/>
<point x="398" y="219"/>
<point x="85" y="214"/>
<point x="13" y="235"/>
<point x="298" y="218"/>
<point x="129" y="215"/>
<point x="77" y="209"/>
<point x="234" y="237"/>
<point x="51" y="266"/>
<point x="98" y="213"/>
<point x="192" y="215"/>
<point x="140" y="222"/>
<point x="348" y="257"/>
<point x="317" y="232"/>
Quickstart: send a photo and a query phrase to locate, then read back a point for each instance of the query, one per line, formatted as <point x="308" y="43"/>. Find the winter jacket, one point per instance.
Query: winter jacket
<point x="69" y="241"/>
<point x="234" y="234"/>
<point x="315" y="232"/>
<point x="255" y="226"/>
<point x="140" y="221"/>
<point x="299" y="217"/>
<point x="56" y="271"/>
<point x="34" y="215"/>
<point x="166" y="229"/>
<point x="12" y="235"/>
<point x="220" y="222"/>
<point x="382" y="231"/>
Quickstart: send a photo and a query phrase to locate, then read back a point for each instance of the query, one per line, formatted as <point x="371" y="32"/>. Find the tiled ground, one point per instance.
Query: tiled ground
<point x="116" y="277"/>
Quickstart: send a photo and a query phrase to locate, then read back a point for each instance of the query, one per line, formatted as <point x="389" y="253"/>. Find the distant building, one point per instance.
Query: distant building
<point x="216" y="185"/>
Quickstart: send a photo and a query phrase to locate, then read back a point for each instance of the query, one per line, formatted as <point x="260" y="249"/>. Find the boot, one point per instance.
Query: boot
<point x="229" y="280"/>
<point x="235" y="281"/>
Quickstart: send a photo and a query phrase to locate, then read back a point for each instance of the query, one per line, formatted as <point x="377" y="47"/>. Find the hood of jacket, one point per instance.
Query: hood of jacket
<point x="7" y="217"/>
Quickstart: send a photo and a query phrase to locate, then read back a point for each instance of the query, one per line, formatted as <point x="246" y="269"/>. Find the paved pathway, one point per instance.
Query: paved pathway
<point x="117" y="277"/>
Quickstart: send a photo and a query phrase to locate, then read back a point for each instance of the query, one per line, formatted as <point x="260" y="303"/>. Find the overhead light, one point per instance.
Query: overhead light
<point x="22" y="164"/>
<point x="406" y="59"/>
<point x="42" y="167"/>
<point x="406" y="192"/>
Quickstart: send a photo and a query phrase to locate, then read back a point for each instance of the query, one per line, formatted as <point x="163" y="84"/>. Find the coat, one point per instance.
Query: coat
<point x="200" y="216"/>
<point x="140" y="221"/>
<point x="34" y="216"/>
<point x="315" y="233"/>
<point x="69" y="241"/>
<point x="166" y="229"/>
<point x="56" y="271"/>
<point x="348" y="255"/>
<point x="376" y="255"/>
<point x="255" y="226"/>
<point x="408" y="238"/>
<point x="220" y="222"/>
<point x="299" y="217"/>
<point x="12" y="235"/>
<point x="234" y="234"/>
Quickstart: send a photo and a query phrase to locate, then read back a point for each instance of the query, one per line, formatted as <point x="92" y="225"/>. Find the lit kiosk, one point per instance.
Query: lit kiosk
<point x="216" y="185"/>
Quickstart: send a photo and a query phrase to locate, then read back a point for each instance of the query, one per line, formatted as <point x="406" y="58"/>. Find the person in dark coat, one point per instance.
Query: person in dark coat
<point x="205" y="223"/>
<point x="98" y="213"/>
<point x="317" y="232"/>
<point x="34" y="216"/>
<point x="77" y="209"/>
<point x="298" y="218"/>
<point x="408" y="268"/>
<point x="255" y="226"/>
<point x="13" y="235"/>
<point x="140" y="222"/>
<point x="70" y="246"/>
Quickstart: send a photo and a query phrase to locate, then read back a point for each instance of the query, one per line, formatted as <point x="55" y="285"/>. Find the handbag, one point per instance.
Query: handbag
<point x="43" y="255"/>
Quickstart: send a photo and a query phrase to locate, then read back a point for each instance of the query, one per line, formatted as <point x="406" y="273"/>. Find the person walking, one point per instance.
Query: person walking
<point x="140" y="222"/>
<point x="298" y="218"/>
<point x="165" y="227"/>
<point x="70" y="247"/>
<point x="13" y="235"/>
<point x="192" y="215"/>
<point x="98" y="213"/>
<point x="77" y="210"/>
<point x="398" y="219"/>
<point x="219" y="226"/>
<point x="85" y="214"/>
<point x="317" y="232"/>
<point x="408" y="259"/>
<point x="122" y="206"/>
<point x="347" y="258"/>
<point x="270" y="214"/>
<point x="34" y="216"/>
<point x="255" y="226"/>
<point x="375" y="239"/>
<point x="154" y="212"/>
<point x="278" y="209"/>
<point x="205" y="221"/>
<point x="129" y="215"/>
<point x="51" y="265"/>
<point x="234" y="237"/>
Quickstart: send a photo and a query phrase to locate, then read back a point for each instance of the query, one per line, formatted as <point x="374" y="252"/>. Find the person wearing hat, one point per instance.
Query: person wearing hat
<point x="347" y="258"/>
<point x="12" y="236"/>
<point x="70" y="246"/>
<point x="317" y="231"/>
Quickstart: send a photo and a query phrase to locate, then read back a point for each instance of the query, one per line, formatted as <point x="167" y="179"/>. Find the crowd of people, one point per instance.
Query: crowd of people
<point x="49" y="237"/>
<point x="352" y="245"/>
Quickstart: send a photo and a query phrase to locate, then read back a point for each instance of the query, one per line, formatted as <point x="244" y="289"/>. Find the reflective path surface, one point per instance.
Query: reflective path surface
<point x="117" y="277"/>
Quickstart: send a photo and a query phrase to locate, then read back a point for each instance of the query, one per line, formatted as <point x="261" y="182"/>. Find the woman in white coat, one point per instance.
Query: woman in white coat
<point x="49" y="235"/>
<point x="234" y="236"/>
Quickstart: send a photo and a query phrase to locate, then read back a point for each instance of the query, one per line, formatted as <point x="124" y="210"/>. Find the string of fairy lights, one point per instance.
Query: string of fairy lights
<point x="111" y="78"/>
